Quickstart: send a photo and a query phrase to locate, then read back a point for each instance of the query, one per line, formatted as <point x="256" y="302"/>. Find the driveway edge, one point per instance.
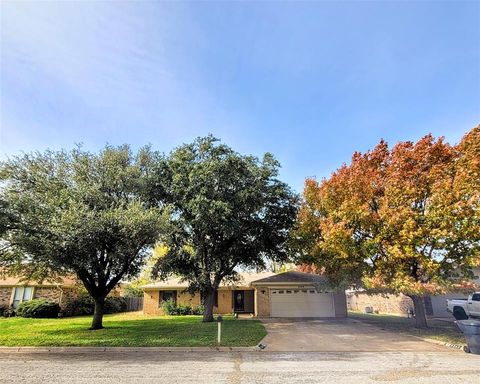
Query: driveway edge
<point x="442" y="343"/>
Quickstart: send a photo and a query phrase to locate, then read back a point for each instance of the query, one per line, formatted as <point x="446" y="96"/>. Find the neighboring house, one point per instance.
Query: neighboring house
<point x="358" y="300"/>
<point x="13" y="291"/>
<point x="288" y="294"/>
<point x="435" y="306"/>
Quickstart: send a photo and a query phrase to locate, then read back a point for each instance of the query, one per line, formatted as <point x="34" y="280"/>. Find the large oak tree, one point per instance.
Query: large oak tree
<point x="401" y="220"/>
<point x="79" y="213"/>
<point x="229" y="211"/>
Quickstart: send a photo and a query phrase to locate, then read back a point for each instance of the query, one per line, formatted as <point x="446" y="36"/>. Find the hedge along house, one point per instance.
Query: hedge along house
<point x="14" y="291"/>
<point x="288" y="294"/>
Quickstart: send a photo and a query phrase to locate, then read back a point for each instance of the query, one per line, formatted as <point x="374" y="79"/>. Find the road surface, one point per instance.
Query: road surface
<point x="239" y="367"/>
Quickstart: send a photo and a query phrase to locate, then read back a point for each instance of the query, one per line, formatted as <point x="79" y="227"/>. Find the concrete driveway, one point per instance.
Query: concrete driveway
<point x="339" y="335"/>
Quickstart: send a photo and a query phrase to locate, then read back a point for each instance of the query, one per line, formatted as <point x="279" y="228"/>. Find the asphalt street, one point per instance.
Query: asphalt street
<point x="239" y="367"/>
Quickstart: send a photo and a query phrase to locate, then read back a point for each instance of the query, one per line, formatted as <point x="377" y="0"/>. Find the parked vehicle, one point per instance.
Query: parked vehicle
<point x="462" y="309"/>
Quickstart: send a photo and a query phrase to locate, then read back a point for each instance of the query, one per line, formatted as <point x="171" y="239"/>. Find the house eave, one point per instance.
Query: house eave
<point x="176" y="288"/>
<point x="286" y="283"/>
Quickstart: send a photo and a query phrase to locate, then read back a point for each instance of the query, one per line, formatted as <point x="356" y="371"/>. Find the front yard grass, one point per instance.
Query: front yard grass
<point x="129" y="330"/>
<point x="439" y="330"/>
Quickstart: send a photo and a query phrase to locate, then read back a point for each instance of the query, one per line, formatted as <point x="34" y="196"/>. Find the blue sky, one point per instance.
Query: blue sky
<point x="310" y="82"/>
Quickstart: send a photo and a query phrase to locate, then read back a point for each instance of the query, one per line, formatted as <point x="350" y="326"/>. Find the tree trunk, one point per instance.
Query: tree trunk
<point x="420" y="316"/>
<point x="97" y="322"/>
<point x="208" y="303"/>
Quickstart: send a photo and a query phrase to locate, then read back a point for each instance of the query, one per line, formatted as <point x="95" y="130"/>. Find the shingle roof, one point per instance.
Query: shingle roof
<point x="291" y="277"/>
<point x="175" y="282"/>
<point x="9" y="281"/>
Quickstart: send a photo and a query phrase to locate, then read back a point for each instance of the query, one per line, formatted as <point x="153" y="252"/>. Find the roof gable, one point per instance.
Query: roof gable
<point x="291" y="277"/>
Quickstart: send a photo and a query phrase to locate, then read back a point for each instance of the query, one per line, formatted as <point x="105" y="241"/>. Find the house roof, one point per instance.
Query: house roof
<point x="291" y="277"/>
<point x="250" y="279"/>
<point x="10" y="281"/>
<point x="246" y="278"/>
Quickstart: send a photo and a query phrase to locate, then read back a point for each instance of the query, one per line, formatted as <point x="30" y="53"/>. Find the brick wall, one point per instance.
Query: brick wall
<point x="5" y="296"/>
<point x="151" y="302"/>
<point x="69" y="294"/>
<point x="47" y="293"/>
<point x="225" y="304"/>
<point x="383" y="304"/>
<point x="262" y="302"/>
<point x="186" y="298"/>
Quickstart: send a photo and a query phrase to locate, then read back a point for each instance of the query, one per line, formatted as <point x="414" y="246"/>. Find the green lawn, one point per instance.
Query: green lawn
<point x="129" y="330"/>
<point x="439" y="330"/>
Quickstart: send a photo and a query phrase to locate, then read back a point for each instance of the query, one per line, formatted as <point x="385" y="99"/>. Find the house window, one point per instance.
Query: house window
<point x="21" y="294"/>
<point x="168" y="295"/>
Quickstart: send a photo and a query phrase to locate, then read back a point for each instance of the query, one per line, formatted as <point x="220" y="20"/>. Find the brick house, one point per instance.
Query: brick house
<point x="389" y="304"/>
<point x="288" y="294"/>
<point x="13" y="291"/>
<point x="435" y="306"/>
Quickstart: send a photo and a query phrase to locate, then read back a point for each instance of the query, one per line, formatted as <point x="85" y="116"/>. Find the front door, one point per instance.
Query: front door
<point x="239" y="301"/>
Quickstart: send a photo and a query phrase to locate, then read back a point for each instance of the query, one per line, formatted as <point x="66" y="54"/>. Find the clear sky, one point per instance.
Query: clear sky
<point x="310" y="82"/>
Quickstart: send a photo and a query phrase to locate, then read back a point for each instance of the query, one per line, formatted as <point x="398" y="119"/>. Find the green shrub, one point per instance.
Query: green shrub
<point x="115" y="305"/>
<point x="170" y="308"/>
<point x="198" y="310"/>
<point x="84" y="305"/>
<point x="9" y="312"/>
<point x="184" y="309"/>
<point x="38" y="308"/>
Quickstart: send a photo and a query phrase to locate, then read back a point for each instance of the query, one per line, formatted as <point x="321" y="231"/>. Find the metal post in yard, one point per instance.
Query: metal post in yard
<point x="219" y="335"/>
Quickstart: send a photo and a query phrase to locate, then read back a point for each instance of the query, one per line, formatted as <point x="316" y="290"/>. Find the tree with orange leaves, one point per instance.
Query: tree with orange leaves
<point x="400" y="220"/>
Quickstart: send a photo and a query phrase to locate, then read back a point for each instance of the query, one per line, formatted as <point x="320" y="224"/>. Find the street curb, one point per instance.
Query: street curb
<point x="442" y="343"/>
<point x="100" y="350"/>
<point x="123" y="349"/>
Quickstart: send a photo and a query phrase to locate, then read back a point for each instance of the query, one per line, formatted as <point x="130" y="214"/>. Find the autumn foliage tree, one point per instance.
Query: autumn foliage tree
<point x="400" y="220"/>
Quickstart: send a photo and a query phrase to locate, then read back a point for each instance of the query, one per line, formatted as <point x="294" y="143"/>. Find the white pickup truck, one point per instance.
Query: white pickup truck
<point x="463" y="309"/>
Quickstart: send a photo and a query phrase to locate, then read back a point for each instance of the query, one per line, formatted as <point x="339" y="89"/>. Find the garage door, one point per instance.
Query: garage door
<point x="301" y="303"/>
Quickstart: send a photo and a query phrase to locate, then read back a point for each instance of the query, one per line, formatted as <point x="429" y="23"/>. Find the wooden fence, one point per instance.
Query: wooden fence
<point x="134" y="304"/>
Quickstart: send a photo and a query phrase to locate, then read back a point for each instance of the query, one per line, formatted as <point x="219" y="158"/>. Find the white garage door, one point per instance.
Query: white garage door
<point x="301" y="303"/>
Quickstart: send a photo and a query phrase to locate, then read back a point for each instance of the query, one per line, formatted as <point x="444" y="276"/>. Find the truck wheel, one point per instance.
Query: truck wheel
<point x="466" y="349"/>
<point x="459" y="313"/>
